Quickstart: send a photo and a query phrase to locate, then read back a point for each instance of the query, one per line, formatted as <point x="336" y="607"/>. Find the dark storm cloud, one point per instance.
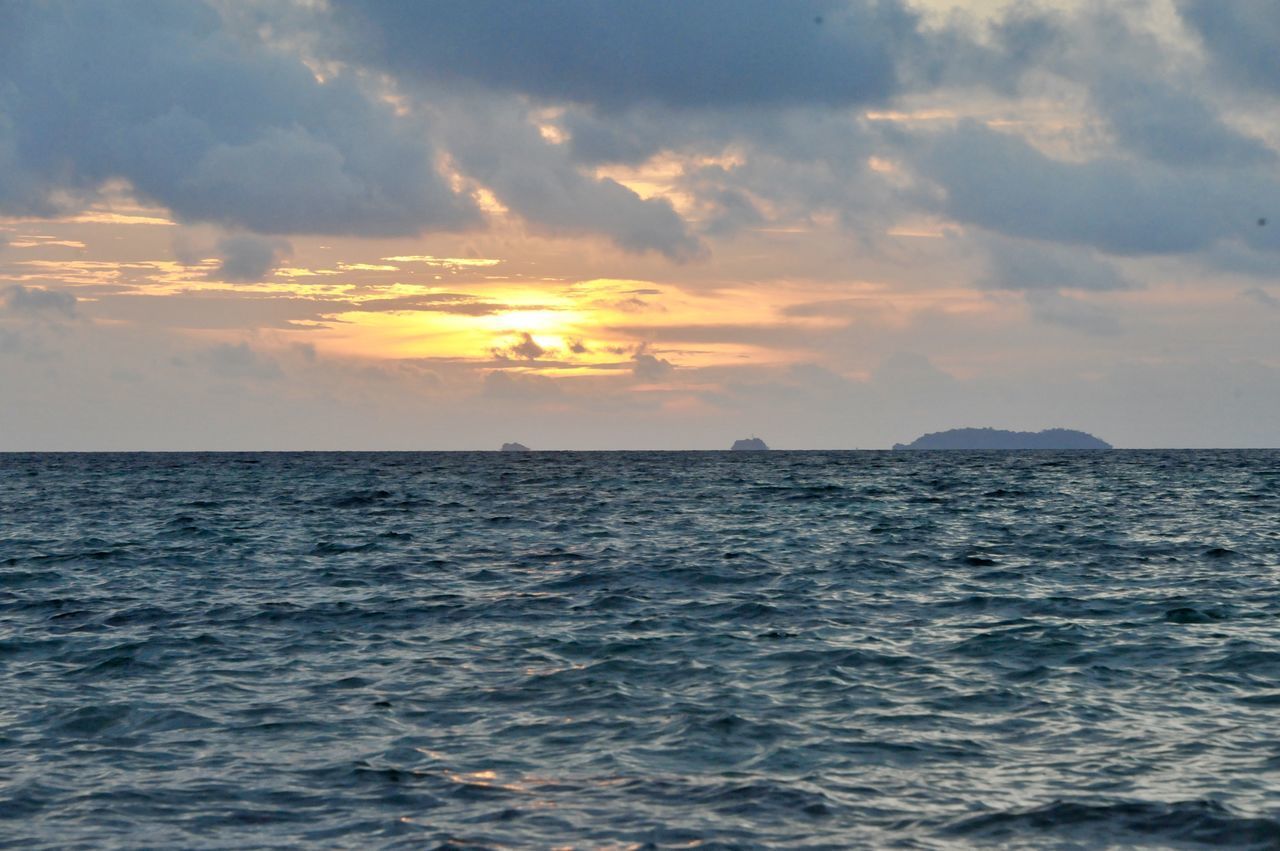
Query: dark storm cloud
<point x="37" y="301"/>
<point x="247" y="258"/>
<point x="614" y="55"/>
<point x="215" y="128"/>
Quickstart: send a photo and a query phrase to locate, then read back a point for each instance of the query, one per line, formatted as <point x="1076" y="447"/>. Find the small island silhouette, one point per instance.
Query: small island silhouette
<point x="515" y="447"/>
<point x="750" y="444"/>
<point x="994" y="438"/>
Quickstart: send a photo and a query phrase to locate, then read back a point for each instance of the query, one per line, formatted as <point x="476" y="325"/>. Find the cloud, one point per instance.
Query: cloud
<point x="1260" y="296"/>
<point x="525" y="348"/>
<point x="528" y="348"/>
<point x="1001" y="182"/>
<point x="212" y="311"/>
<point x="647" y="367"/>
<point x="228" y="360"/>
<point x="1057" y="309"/>
<point x="1241" y="259"/>
<point x="461" y="304"/>
<point x="1041" y="270"/>
<point x="713" y="53"/>
<point x="764" y="334"/>
<point x="1240" y="38"/>
<point x="38" y="301"/>
<point x="249" y="258"/>
<point x="1166" y="123"/>
<point x="227" y="310"/>
<point x="496" y="144"/>
<point x="514" y="386"/>
<point x="1023" y="265"/>
<point x="1151" y="101"/>
<point x="213" y="126"/>
<point x="733" y="210"/>
<point x="911" y="371"/>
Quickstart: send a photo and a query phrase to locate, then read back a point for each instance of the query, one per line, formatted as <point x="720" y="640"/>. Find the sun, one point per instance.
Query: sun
<point x="531" y="321"/>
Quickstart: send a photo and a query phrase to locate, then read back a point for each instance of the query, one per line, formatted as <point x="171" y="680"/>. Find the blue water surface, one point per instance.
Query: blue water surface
<point x="639" y="650"/>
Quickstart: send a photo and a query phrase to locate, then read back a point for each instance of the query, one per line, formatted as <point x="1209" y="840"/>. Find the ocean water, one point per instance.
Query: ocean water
<point x="640" y="650"/>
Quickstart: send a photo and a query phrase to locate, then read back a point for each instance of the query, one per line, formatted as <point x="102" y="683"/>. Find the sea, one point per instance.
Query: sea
<point x="634" y="650"/>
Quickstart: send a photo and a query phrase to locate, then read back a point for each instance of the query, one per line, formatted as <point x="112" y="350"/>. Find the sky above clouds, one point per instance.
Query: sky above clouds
<point x="370" y="224"/>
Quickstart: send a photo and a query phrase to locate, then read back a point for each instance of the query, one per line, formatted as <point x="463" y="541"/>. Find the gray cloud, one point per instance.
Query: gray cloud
<point x="214" y="127"/>
<point x="647" y="367"/>
<point x="1168" y="124"/>
<point x="1001" y="182"/>
<point x="495" y="143"/>
<point x="38" y="301"/>
<point x="528" y="348"/>
<point x="249" y="258"/>
<point x="1240" y="259"/>
<point x="733" y="210"/>
<point x="1260" y="296"/>
<point x="1023" y="265"/>
<point x="772" y="334"/>
<point x="240" y="361"/>
<point x="525" y="348"/>
<point x="1240" y="37"/>
<point x="613" y="55"/>
<point x="1057" y="309"/>
<point x="514" y="386"/>
<point x="911" y="371"/>
<point x="792" y="161"/>
<point x="1151" y="102"/>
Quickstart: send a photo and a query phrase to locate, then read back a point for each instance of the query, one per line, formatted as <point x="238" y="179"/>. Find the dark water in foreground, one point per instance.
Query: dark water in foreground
<point x="640" y="649"/>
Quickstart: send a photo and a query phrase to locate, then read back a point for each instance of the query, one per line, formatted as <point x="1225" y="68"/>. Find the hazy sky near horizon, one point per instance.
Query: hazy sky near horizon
<point x="367" y="224"/>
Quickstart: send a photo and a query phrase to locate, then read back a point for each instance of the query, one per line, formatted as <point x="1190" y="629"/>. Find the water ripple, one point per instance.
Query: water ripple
<point x="640" y="650"/>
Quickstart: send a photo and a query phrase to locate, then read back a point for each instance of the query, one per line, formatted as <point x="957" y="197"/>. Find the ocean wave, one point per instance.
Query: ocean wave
<point x="827" y="650"/>
<point x="1199" y="822"/>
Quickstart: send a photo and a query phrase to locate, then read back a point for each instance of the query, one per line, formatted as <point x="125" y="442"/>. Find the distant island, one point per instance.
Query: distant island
<point x="515" y="447"/>
<point x="750" y="444"/>
<point x="994" y="438"/>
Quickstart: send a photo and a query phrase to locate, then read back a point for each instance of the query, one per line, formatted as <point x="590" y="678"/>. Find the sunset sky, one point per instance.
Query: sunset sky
<point x="613" y="225"/>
